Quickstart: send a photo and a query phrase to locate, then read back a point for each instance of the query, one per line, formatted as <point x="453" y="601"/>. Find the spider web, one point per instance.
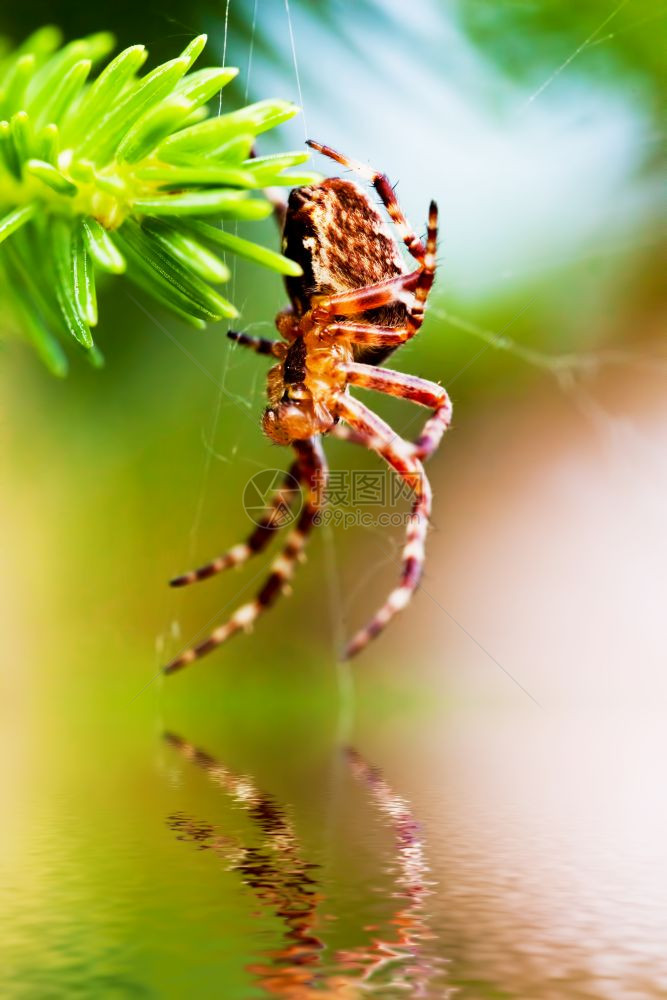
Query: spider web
<point x="570" y="370"/>
<point x="209" y="435"/>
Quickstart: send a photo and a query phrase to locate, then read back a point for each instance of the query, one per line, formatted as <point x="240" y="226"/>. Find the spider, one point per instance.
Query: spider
<point x="355" y="303"/>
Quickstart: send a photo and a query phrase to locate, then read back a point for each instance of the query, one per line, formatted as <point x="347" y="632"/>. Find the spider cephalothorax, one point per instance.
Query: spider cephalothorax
<point x="355" y="303"/>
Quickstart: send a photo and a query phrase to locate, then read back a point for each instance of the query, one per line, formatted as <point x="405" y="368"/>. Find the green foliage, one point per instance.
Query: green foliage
<point x="115" y="176"/>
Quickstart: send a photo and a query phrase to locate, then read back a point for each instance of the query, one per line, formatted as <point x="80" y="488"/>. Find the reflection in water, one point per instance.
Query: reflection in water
<point x="282" y="880"/>
<point x="274" y="870"/>
<point x="415" y="966"/>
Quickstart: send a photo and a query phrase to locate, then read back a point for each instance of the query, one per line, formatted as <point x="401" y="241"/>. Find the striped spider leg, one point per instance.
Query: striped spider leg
<point x="365" y="428"/>
<point x="282" y="500"/>
<point x="417" y="390"/>
<point x="382" y="185"/>
<point x="311" y="470"/>
<point x="378" y="436"/>
<point x="279" y="505"/>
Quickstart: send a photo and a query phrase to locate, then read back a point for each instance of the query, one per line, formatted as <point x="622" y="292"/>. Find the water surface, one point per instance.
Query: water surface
<point x="472" y="856"/>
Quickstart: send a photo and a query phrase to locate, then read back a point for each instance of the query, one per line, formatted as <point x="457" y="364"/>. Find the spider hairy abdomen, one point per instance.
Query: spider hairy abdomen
<point x="341" y="241"/>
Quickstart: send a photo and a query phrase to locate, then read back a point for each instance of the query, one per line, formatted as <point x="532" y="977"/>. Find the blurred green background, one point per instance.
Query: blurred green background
<point x="537" y="129"/>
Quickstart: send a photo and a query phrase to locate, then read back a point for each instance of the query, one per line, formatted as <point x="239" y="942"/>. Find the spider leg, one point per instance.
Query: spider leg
<point x="369" y="335"/>
<point x="256" y="541"/>
<point x="261" y="345"/>
<point x="379" y="437"/>
<point x="402" y="288"/>
<point x="383" y="187"/>
<point x="418" y="390"/>
<point x="345" y="433"/>
<point x="420" y="449"/>
<point x="426" y="273"/>
<point x="312" y="472"/>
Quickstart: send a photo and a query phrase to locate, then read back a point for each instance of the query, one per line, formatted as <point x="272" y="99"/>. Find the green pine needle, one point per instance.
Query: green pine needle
<point x="116" y="175"/>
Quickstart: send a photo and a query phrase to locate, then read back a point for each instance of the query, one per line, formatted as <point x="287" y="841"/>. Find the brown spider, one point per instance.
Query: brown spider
<point x="355" y="303"/>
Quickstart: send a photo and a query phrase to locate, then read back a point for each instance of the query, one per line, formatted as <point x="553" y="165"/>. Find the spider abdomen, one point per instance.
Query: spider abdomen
<point x="341" y="241"/>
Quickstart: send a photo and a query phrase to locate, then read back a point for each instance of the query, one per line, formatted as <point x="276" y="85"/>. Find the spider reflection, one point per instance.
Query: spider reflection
<point x="285" y="883"/>
<point x="274" y="870"/>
